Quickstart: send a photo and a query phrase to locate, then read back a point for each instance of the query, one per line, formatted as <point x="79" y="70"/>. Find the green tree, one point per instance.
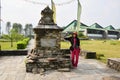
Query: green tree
<point x="81" y="35"/>
<point x="13" y="36"/>
<point x="17" y="27"/>
<point x="16" y="36"/>
<point x="28" y="30"/>
<point x="8" y="26"/>
<point x="119" y="29"/>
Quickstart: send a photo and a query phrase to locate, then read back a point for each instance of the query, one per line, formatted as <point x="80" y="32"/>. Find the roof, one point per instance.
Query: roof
<point x="73" y="24"/>
<point x="96" y="29"/>
<point x="96" y="25"/>
<point x="110" y="27"/>
<point x="71" y="27"/>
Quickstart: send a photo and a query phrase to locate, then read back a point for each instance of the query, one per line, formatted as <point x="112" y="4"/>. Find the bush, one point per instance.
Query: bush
<point x="81" y="35"/>
<point x="22" y="44"/>
<point x="113" y="43"/>
<point x="100" y="56"/>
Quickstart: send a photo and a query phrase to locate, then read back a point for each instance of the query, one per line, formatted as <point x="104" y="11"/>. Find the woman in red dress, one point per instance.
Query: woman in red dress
<point x="74" y="48"/>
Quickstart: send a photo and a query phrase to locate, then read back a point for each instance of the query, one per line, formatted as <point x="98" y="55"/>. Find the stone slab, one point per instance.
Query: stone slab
<point x="111" y="78"/>
<point x="64" y="70"/>
<point x="48" y="42"/>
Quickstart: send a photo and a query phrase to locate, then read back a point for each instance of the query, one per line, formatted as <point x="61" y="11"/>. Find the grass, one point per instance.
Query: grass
<point x="109" y="48"/>
<point x="7" y="46"/>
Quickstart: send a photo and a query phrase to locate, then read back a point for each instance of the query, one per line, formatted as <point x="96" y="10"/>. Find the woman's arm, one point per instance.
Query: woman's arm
<point x="67" y="38"/>
<point x="78" y="42"/>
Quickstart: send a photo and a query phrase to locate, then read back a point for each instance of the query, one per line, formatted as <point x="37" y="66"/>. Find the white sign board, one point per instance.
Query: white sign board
<point x="48" y="42"/>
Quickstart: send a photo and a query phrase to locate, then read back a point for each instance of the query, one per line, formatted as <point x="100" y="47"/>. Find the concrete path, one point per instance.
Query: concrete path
<point x="13" y="68"/>
<point x="30" y="45"/>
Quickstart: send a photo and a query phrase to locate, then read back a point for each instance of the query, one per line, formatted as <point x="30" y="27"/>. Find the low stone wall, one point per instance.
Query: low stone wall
<point x="13" y="52"/>
<point x="88" y="54"/>
<point x="114" y="63"/>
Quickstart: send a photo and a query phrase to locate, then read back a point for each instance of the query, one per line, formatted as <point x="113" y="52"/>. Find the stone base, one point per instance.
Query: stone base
<point x="55" y="65"/>
<point x="61" y="62"/>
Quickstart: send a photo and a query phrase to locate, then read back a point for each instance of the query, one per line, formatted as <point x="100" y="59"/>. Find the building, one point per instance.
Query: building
<point x="95" y="31"/>
<point x="112" y="33"/>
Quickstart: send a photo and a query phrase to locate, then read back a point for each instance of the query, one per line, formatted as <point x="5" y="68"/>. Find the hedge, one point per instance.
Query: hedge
<point x="22" y="44"/>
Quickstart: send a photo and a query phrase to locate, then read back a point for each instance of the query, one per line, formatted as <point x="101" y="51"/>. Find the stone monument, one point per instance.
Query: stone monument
<point x="47" y="17"/>
<point x="47" y="53"/>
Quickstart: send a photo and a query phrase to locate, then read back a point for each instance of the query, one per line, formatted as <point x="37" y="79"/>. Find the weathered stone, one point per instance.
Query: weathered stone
<point x="52" y="59"/>
<point x="41" y="70"/>
<point x="29" y="67"/>
<point x="47" y="53"/>
<point x="44" y="60"/>
<point x="30" y="61"/>
<point x="90" y="55"/>
<point x="48" y="42"/>
<point x="47" y="16"/>
<point x="64" y="69"/>
<point x="111" y="78"/>
<point x="114" y="63"/>
<point x="35" y="70"/>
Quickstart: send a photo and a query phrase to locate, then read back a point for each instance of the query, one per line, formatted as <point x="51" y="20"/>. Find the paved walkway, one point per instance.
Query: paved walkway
<point x="13" y="68"/>
<point x="30" y="45"/>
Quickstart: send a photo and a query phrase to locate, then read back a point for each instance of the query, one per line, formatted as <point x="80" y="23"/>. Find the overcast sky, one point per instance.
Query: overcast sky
<point x="104" y="12"/>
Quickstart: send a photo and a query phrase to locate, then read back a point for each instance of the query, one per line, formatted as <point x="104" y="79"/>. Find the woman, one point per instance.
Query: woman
<point x="74" y="48"/>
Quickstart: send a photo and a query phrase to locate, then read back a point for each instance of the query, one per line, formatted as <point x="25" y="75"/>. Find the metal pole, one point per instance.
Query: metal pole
<point x="0" y="18"/>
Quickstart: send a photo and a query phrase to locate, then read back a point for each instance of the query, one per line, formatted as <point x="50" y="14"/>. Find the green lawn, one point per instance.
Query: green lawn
<point x="110" y="48"/>
<point x="7" y="46"/>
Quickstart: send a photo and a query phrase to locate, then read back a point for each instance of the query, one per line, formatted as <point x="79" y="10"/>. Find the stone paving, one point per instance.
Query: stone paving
<point x="30" y="45"/>
<point x="13" y="68"/>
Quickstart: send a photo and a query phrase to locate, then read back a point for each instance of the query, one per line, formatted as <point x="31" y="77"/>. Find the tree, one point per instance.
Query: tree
<point x="13" y="36"/>
<point x="8" y="26"/>
<point x="118" y="29"/>
<point x="81" y="35"/>
<point x="16" y="36"/>
<point x="28" y="30"/>
<point x="17" y="27"/>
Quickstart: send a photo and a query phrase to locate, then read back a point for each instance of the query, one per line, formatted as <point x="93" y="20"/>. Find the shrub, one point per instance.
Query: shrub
<point x="113" y="43"/>
<point x="100" y="56"/>
<point x="81" y="35"/>
<point x="22" y="44"/>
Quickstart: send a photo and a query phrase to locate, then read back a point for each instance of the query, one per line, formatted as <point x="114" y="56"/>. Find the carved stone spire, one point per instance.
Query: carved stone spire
<point x="47" y="17"/>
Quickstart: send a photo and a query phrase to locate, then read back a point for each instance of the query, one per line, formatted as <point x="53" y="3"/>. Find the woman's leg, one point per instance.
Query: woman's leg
<point x="73" y="57"/>
<point x="77" y="52"/>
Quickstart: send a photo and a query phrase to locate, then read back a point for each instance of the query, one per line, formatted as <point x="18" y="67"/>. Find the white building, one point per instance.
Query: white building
<point x="94" y="31"/>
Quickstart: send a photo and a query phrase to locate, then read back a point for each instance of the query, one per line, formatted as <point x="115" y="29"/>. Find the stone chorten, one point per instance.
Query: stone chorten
<point x="47" y="17"/>
<point x="47" y="53"/>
